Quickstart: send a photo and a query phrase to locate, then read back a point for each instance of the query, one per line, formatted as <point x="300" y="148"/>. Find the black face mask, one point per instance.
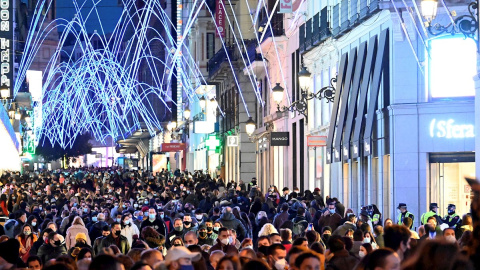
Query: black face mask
<point x="209" y="229"/>
<point x="326" y="237"/>
<point x="187" y="223"/>
<point x="117" y="233"/>
<point x="202" y="234"/>
<point x="451" y="212"/>
<point x="263" y="249"/>
<point x="57" y="243"/>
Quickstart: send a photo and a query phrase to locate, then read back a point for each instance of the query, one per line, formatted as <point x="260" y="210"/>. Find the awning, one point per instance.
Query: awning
<point x="360" y="75"/>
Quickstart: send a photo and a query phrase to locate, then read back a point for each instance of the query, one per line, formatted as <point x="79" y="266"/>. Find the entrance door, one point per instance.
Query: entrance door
<point x="448" y="185"/>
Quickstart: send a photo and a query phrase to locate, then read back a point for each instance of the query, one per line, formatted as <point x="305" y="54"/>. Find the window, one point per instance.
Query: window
<point x="451" y="67"/>
<point x="210" y="45"/>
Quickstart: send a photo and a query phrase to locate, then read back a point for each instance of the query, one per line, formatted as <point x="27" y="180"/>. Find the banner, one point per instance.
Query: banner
<point x="220" y="19"/>
<point x="286" y="6"/>
<point x="279" y="138"/>
<point x="6" y="45"/>
<point x="172" y="147"/>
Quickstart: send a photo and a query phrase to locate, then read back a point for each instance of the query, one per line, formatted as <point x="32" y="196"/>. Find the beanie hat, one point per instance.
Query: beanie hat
<point x="81" y="236"/>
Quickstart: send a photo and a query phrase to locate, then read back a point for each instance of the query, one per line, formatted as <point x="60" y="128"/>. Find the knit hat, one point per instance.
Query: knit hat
<point x="9" y="250"/>
<point x="81" y="236"/>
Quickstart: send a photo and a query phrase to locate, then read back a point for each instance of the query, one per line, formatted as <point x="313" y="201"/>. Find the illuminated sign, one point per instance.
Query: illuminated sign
<point x="220" y="19"/>
<point x="232" y="141"/>
<point x="6" y="37"/>
<point x="279" y="139"/>
<point x="449" y="129"/>
<point x="212" y="142"/>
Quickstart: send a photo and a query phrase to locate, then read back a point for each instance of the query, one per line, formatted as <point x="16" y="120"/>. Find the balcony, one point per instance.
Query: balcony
<point x="251" y="52"/>
<point x="277" y="27"/>
<point x="220" y="57"/>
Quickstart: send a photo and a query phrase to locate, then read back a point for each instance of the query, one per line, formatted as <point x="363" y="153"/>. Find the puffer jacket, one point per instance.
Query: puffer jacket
<point x="72" y="233"/>
<point x="47" y="252"/>
<point x="229" y="221"/>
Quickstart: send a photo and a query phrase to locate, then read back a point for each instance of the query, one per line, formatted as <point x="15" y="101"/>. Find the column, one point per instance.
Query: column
<point x="476" y="79"/>
<point x="247" y="148"/>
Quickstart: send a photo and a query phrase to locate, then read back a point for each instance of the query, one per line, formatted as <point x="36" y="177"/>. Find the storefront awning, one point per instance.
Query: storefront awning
<point x="358" y="87"/>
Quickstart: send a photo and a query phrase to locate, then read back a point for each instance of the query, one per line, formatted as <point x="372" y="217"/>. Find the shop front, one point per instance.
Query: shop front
<point x="450" y="145"/>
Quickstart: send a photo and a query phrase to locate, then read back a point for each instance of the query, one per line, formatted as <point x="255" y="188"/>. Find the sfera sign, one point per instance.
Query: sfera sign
<point x="279" y="139"/>
<point x="6" y="45"/>
<point x="449" y="129"/>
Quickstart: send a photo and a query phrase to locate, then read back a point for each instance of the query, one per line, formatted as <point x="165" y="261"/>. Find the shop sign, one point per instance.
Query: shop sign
<point x="220" y="19"/>
<point x="286" y="6"/>
<point x="212" y="142"/>
<point x="172" y="147"/>
<point x="450" y="130"/>
<point x="6" y="37"/>
<point x="316" y="141"/>
<point x="232" y="141"/>
<point x="279" y="139"/>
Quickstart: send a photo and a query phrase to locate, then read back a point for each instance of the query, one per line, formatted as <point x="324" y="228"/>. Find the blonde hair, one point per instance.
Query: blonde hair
<point x="267" y="229"/>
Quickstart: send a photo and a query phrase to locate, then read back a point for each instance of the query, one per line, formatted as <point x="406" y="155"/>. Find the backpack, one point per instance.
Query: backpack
<point x="9" y="227"/>
<point x="299" y="227"/>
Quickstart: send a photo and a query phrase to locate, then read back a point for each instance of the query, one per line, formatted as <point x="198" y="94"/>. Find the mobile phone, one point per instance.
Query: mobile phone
<point x="310" y="227"/>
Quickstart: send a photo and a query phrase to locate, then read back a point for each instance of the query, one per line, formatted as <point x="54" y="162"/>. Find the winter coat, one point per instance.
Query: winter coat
<point x="229" y="221"/>
<point x="72" y="233"/>
<point x="47" y="252"/>
<point x="344" y="228"/>
<point x="128" y="231"/>
<point x="96" y="230"/>
<point x="332" y="221"/>
<point x="342" y="260"/>
<point x="123" y="246"/>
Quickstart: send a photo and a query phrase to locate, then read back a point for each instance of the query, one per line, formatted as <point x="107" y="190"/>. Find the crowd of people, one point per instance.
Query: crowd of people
<point x="112" y="219"/>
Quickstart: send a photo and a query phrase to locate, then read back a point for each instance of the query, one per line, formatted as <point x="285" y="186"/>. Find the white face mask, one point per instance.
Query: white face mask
<point x="450" y="239"/>
<point x="280" y="264"/>
<point x="361" y="254"/>
<point x="366" y="240"/>
<point x="224" y="241"/>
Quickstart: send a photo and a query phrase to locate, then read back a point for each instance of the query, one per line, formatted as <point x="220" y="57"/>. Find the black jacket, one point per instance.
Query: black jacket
<point x="109" y="240"/>
<point x="96" y="230"/>
<point x="157" y="224"/>
<point x="47" y="252"/>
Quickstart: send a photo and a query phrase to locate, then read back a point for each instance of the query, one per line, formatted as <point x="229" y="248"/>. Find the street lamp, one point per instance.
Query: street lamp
<point x="465" y="24"/>
<point x="11" y="113"/>
<point x="301" y="105"/>
<point x="18" y="115"/>
<point x="277" y="93"/>
<point x="202" y="102"/>
<point x="304" y="78"/>
<point x="214" y="103"/>
<point x="250" y="126"/>
<point x="429" y="9"/>
<point x="187" y="113"/>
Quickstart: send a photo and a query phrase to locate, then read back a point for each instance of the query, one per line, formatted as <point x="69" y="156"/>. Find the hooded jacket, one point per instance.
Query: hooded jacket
<point x="96" y="230"/>
<point x="47" y="252"/>
<point x="229" y="221"/>
<point x="72" y="233"/>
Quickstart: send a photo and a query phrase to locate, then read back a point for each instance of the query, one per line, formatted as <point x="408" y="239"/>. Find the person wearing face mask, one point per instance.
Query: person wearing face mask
<point x="397" y="237"/>
<point x="26" y="239"/>
<point x="53" y="247"/>
<point x="432" y="213"/>
<point x="154" y="222"/>
<point x="276" y="255"/>
<point x="96" y="229"/>
<point x="180" y="258"/>
<point x="116" y="238"/>
<point x="452" y="219"/>
<point x="188" y="224"/>
<point x="210" y="229"/>
<point x="330" y="218"/>
<point x="166" y="219"/>
<point x="98" y="241"/>
<point x="223" y="243"/>
<point x="203" y="238"/>
<point x="178" y="231"/>
<point x="348" y="225"/>
<point x="432" y="231"/>
<point x="128" y="228"/>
